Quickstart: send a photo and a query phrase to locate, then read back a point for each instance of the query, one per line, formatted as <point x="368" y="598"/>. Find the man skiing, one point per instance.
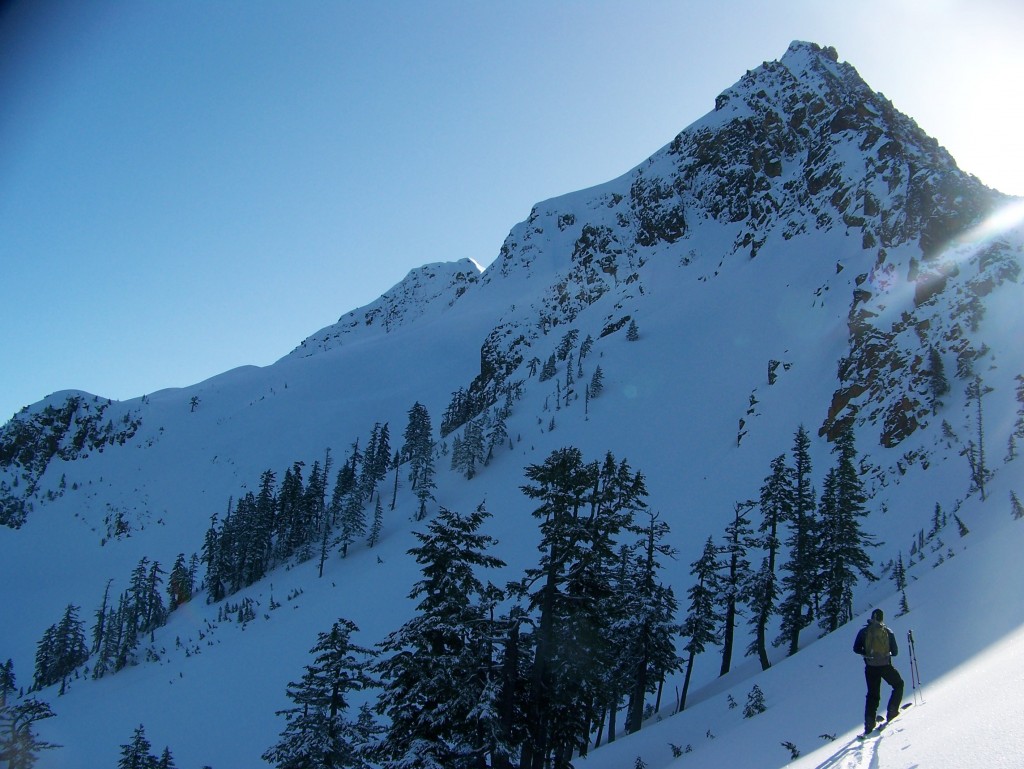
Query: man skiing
<point x="877" y="645"/>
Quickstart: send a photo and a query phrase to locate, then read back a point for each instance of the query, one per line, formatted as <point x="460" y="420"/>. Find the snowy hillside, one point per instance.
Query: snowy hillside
<point x="802" y="256"/>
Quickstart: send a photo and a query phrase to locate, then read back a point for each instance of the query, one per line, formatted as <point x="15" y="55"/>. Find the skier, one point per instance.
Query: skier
<point x="877" y="645"/>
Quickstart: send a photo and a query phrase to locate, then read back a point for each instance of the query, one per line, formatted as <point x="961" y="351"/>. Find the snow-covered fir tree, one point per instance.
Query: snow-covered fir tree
<point x="319" y="733"/>
<point x="702" y="618"/>
<point x="842" y="545"/>
<point x="439" y="687"/>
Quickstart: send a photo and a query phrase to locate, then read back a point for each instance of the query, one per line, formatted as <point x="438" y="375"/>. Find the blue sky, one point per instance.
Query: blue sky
<point x="193" y="186"/>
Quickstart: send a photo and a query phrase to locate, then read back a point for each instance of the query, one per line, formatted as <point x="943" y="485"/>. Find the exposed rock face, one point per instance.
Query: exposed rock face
<point x="797" y="146"/>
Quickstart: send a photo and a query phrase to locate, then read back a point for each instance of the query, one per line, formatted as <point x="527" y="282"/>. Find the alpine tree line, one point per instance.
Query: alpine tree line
<point x="531" y="674"/>
<point x="261" y="531"/>
<point x="522" y="675"/>
<point x="300" y="518"/>
<point x="826" y="554"/>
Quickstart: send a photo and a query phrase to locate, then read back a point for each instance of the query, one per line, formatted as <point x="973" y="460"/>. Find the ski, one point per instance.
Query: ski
<point x="881" y="723"/>
<point x="884" y="724"/>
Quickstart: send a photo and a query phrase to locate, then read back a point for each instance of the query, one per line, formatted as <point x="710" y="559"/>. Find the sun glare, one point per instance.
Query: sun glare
<point x="1006" y="218"/>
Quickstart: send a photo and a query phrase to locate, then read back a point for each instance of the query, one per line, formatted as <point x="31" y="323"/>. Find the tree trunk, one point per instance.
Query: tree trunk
<point x="686" y="682"/>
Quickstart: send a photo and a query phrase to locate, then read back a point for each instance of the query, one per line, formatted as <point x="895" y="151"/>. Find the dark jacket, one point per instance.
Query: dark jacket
<point x="879" y="660"/>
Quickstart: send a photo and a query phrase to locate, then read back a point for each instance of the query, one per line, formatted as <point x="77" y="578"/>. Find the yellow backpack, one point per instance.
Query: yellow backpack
<point x="876" y="642"/>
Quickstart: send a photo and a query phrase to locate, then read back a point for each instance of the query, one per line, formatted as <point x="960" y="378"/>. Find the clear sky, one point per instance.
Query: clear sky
<point x="191" y="186"/>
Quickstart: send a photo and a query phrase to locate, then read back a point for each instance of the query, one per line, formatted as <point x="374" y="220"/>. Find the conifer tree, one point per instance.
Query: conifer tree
<point x="776" y="504"/>
<point x="166" y="760"/>
<point x="842" y="544"/>
<point x="596" y="383"/>
<point x="419" y="450"/>
<point x="353" y="520"/>
<point x="179" y="584"/>
<point x="396" y="463"/>
<point x="549" y="369"/>
<point x="418" y="445"/>
<point x="263" y="525"/>
<point x="975" y="452"/>
<point x="736" y="576"/>
<point x="136" y="754"/>
<point x="801" y="570"/>
<point x="216" y="588"/>
<point x="20" y="746"/>
<point x="583" y="508"/>
<point x="703" y="618"/>
<point x="377" y="525"/>
<point x="101" y="617"/>
<point x="61" y="650"/>
<point x="938" y="385"/>
<point x="438" y="672"/>
<point x="293" y="513"/>
<point x="8" y="683"/>
<point x="645" y="626"/>
<point x="318" y="732"/>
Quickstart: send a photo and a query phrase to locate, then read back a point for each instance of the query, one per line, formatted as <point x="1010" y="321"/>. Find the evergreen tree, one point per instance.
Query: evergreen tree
<point x="468" y="453"/>
<point x="776" y="503"/>
<point x="20" y="746"/>
<point x="166" y="760"/>
<point x="755" y="703"/>
<point x="8" y="684"/>
<point x="583" y="508"/>
<point x="377" y="525"/>
<point x="98" y="627"/>
<point x="155" y="613"/>
<point x="61" y="650"/>
<point x="736" y="577"/>
<point x="497" y="433"/>
<point x="596" y="383"/>
<point x="645" y="626"/>
<point x="375" y="460"/>
<point x="136" y="754"/>
<point x="801" y="570"/>
<point x="395" y="465"/>
<point x="702" y="618"/>
<point x="353" y="520"/>
<point x="316" y="507"/>
<point x="318" y="732"/>
<point x="179" y="584"/>
<point x="549" y="369"/>
<point x="419" y="450"/>
<point x="975" y="452"/>
<point x="293" y="513"/>
<point x="419" y="442"/>
<point x="842" y="545"/>
<point x="566" y="344"/>
<point x="438" y="672"/>
<point x="1016" y="508"/>
<point x="938" y="385"/>
<point x="216" y="588"/>
<point x="632" y="333"/>
<point x="263" y="526"/>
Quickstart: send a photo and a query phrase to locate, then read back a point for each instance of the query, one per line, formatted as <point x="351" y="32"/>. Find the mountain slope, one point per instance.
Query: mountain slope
<point x="793" y="257"/>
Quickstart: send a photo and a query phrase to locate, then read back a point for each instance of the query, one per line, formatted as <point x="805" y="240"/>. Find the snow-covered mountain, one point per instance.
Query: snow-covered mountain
<point x="804" y="254"/>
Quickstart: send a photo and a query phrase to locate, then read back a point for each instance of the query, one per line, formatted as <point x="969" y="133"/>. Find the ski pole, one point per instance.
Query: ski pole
<point x="915" y="672"/>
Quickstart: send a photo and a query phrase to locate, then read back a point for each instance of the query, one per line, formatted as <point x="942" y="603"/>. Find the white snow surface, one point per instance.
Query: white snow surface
<point x="710" y="320"/>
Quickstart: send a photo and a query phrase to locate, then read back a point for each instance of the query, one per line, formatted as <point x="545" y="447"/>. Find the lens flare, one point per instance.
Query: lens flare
<point x="1006" y="218"/>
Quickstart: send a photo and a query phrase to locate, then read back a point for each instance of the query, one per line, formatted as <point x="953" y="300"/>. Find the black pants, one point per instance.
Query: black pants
<point x="874" y="677"/>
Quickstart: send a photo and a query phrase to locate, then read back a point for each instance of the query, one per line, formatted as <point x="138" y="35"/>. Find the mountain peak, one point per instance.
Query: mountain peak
<point x="803" y="48"/>
<point x="430" y="288"/>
